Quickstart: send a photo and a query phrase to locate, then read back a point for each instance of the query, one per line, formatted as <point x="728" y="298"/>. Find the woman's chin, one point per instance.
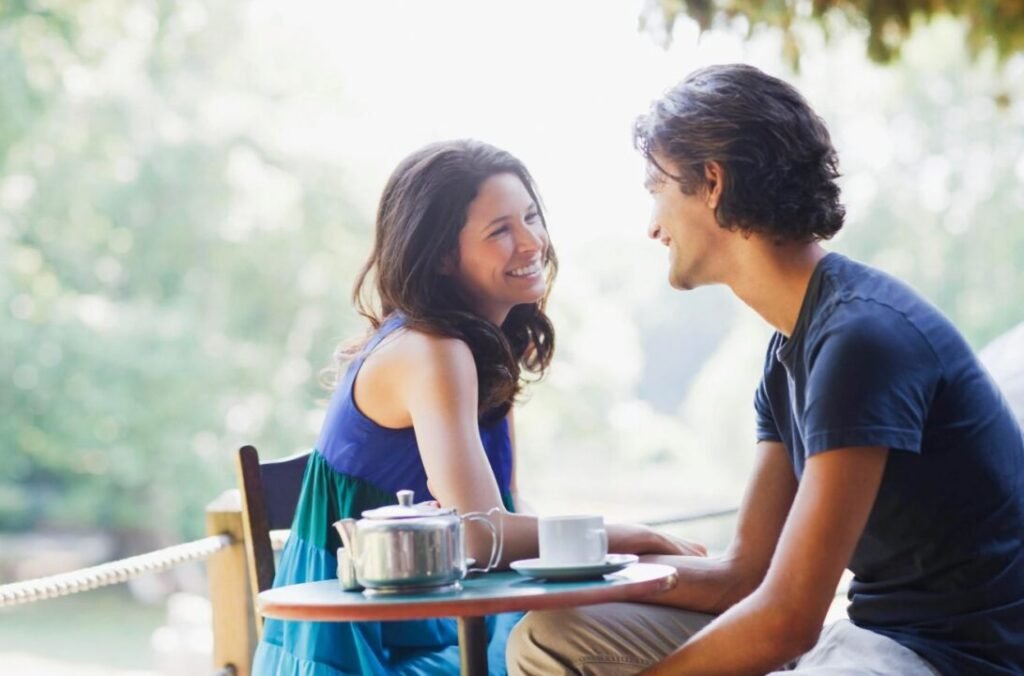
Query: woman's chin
<point x="535" y="294"/>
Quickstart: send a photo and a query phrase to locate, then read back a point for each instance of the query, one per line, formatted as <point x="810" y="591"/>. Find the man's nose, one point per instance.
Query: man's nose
<point x="653" y="230"/>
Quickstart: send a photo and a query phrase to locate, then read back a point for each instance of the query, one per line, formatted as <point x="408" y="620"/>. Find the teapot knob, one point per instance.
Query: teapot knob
<point x="405" y="498"/>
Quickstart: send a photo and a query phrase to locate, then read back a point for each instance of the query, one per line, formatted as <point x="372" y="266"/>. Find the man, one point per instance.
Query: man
<point x="882" y="445"/>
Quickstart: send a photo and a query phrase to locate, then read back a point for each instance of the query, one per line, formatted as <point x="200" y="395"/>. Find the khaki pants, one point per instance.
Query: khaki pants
<point x="616" y="639"/>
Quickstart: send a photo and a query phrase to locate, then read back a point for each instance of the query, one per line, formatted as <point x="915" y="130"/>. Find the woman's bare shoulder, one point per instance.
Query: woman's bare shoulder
<point x="414" y="350"/>
<point x="413" y="366"/>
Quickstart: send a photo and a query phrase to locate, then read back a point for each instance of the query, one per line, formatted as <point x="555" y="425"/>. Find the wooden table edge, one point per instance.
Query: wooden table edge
<point x="448" y="607"/>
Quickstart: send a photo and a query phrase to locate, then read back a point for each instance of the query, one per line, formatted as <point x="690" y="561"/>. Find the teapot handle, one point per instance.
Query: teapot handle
<point x="497" y="537"/>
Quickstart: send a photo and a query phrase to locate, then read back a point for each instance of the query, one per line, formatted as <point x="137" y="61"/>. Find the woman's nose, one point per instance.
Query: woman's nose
<point x="530" y="238"/>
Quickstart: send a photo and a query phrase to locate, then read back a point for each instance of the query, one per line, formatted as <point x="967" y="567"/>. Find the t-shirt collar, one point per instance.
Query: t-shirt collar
<point x="807" y="307"/>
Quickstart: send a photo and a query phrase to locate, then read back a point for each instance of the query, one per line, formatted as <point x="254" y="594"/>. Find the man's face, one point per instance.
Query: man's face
<point x="685" y="224"/>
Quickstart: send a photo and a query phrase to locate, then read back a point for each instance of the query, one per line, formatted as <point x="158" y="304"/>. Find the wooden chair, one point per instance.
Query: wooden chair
<point x="270" y="493"/>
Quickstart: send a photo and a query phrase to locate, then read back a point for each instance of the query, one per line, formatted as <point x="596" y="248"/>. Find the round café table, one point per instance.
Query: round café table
<point x="481" y="595"/>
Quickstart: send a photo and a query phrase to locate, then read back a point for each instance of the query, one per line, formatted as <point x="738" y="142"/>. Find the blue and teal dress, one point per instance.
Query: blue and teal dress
<point x="359" y="465"/>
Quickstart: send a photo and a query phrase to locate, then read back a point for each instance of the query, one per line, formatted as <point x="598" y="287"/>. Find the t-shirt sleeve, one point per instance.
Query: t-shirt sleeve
<point x="871" y="381"/>
<point x="767" y="429"/>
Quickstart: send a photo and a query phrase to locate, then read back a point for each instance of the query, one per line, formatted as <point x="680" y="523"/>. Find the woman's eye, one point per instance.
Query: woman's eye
<point x="499" y="230"/>
<point x="532" y="217"/>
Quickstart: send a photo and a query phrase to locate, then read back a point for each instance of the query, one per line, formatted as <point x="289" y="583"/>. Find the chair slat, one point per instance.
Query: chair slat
<point x="282" y="482"/>
<point x="270" y="493"/>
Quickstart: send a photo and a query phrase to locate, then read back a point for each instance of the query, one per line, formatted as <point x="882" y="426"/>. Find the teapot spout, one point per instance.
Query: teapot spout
<point x="347" y="555"/>
<point x="347" y="530"/>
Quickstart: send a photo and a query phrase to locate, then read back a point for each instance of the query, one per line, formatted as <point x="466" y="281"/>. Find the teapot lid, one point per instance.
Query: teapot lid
<point x="405" y="509"/>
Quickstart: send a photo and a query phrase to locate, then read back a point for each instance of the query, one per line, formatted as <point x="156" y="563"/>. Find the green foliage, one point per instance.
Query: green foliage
<point x="945" y="185"/>
<point x="162" y="290"/>
<point x="994" y="24"/>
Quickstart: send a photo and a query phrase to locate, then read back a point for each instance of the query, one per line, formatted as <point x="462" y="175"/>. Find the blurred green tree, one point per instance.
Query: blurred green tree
<point x="934" y="178"/>
<point x="167" y="286"/>
<point x="990" y="23"/>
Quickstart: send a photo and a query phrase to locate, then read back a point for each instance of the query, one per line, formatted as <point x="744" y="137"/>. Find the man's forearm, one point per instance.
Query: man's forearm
<point x="706" y="584"/>
<point x="754" y="637"/>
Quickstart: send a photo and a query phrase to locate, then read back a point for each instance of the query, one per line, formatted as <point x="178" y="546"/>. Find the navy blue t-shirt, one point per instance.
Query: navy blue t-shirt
<point x="940" y="565"/>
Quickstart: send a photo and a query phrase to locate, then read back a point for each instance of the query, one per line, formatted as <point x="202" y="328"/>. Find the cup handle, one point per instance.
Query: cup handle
<point x="603" y="535"/>
<point x="497" y="537"/>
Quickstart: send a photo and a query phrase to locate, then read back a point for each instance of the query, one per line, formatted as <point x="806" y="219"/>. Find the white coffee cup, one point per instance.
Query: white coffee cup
<point x="572" y="540"/>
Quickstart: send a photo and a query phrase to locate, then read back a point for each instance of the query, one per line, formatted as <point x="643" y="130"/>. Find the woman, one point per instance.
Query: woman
<point x="459" y="274"/>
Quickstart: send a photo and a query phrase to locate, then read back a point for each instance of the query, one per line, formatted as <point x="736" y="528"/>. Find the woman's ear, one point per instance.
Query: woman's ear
<point x="448" y="265"/>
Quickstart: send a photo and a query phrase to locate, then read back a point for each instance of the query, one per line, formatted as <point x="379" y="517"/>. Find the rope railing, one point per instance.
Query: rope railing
<point x="114" y="572"/>
<point x="233" y="643"/>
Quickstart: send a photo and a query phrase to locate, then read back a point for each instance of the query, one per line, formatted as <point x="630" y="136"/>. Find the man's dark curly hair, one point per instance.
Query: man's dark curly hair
<point x="779" y="164"/>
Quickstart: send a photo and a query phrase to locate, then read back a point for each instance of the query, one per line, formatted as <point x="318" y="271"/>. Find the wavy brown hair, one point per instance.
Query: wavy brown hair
<point x="423" y="208"/>
<point x="780" y="165"/>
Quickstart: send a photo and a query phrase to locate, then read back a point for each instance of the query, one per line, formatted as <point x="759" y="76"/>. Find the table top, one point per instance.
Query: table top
<point x="487" y="594"/>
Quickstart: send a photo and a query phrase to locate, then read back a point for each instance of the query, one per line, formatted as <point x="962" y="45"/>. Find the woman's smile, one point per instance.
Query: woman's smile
<point x="530" y="270"/>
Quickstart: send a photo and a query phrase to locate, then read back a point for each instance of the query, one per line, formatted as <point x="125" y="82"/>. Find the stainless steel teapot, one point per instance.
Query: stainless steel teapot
<point x="407" y="547"/>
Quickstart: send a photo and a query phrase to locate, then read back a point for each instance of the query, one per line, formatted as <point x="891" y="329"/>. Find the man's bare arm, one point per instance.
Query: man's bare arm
<point x="713" y="584"/>
<point x="782" y="618"/>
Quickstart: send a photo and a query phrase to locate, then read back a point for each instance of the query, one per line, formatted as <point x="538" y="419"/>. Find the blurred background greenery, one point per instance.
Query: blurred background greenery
<point x="187" y="189"/>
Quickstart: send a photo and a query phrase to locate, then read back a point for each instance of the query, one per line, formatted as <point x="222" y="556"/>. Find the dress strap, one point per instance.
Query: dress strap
<point x="387" y="327"/>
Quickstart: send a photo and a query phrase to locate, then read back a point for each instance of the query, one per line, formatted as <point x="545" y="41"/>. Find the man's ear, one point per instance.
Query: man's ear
<point x="714" y="180"/>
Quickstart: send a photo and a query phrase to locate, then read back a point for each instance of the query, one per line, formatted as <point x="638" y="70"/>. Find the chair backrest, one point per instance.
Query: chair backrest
<point x="270" y="493"/>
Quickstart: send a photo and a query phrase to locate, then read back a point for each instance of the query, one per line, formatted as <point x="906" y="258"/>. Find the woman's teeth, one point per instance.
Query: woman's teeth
<point x="526" y="270"/>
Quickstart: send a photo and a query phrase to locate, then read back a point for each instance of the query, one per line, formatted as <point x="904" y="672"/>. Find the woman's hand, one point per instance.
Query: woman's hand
<point x="634" y="539"/>
<point x="686" y="547"/>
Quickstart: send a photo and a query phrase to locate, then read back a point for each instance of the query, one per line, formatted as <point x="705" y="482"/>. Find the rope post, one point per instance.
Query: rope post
<point x="234" y="629"/>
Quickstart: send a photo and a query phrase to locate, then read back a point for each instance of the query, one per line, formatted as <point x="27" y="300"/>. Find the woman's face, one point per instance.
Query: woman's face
<point x="502" y="249"/>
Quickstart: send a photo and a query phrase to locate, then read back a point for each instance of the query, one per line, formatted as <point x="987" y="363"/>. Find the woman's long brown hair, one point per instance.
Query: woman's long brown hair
<point x="422" y="210"/>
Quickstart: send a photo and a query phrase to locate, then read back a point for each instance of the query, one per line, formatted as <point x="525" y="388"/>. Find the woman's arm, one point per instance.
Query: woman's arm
<point x="435" y="380"/>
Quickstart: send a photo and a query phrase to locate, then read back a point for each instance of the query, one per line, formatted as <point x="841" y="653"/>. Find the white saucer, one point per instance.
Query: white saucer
<point x="587" y="571"/>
